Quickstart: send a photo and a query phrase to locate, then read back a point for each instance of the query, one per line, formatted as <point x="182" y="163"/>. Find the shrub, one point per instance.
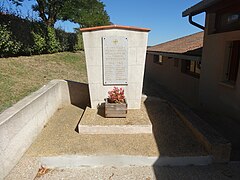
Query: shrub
<point x="79" y="44"/>
<point x="62" y="37"/>
<point x="51" y="41"/>
<point x="8" y="45"/>
<point x="24" y="37"/>
<point x="39" y="43"/>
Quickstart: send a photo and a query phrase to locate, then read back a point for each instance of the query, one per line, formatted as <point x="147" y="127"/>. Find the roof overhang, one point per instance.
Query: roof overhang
<point x="97" y="28"/>
<point x="199" y="7"/>
<point x="176" y="55"/>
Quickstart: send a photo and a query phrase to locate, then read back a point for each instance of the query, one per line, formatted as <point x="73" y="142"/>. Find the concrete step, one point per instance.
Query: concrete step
<point x="73" y="161"/>
<point x="93" y="121"/>
<point x="29" y="168"/>
<point x="213" y="172"/>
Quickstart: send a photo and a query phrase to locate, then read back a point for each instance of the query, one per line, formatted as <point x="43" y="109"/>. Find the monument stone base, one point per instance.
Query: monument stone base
<point x="93" y="121"/>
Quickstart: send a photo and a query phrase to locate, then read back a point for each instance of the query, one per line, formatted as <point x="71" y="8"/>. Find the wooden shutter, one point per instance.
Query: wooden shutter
<point x="234" y="61"/>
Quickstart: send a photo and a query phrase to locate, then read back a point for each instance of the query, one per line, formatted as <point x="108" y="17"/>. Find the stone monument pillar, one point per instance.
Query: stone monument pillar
<point x="115" y="56"/>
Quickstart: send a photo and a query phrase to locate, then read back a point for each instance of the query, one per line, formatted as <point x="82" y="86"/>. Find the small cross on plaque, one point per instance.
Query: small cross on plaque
<point x="115" y="41"/>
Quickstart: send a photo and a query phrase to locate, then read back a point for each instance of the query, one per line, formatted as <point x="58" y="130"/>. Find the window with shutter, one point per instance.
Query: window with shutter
<point x="191" y="68"/>
<point x="158" y="59"/>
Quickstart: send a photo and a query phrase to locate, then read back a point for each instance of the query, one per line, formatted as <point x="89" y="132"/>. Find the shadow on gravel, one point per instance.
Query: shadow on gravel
<point x="173" y="138"/>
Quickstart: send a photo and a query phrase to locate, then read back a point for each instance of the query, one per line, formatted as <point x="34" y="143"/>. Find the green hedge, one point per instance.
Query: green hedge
<point x="23" y="37"/>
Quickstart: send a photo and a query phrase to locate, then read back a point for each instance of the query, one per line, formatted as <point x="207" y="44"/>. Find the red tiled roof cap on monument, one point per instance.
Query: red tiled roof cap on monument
<point x="114" y="27"/>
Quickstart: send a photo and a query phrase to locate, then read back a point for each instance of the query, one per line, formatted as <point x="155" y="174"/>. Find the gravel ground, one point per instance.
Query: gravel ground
<point x="25" y="169"/>
<point x="173" y="139"/>
<point x="170" y="138"/>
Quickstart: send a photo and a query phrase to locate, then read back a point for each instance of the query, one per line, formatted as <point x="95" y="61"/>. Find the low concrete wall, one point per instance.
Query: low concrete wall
<point x="21" y="123"/>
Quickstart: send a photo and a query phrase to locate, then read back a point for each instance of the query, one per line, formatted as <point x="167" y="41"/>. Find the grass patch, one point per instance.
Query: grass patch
<point x="22" y="75"/>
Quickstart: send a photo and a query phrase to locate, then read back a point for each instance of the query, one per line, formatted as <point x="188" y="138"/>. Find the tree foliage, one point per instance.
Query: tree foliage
<point x="85" y="12"/>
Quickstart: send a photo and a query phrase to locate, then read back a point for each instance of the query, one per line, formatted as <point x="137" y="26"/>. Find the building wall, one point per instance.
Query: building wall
<point x="181" y="84"/>
<point x="216" y="95"/>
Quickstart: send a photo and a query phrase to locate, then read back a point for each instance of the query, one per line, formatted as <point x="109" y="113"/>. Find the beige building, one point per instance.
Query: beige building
<point x="203" y="69"/>
<point x="176" y="66"/>
<point x="208" y="76"/>
<point x="219" y="88"/>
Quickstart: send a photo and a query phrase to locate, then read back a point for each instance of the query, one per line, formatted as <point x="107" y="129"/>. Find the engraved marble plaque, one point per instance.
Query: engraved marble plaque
<point x="115" y="60"/>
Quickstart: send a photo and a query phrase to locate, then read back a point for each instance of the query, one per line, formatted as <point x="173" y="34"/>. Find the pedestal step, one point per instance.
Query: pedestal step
<point x="94" y="122"/>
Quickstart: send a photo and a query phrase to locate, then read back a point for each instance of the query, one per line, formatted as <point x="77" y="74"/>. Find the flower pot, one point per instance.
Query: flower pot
<point x="115" y="109"/>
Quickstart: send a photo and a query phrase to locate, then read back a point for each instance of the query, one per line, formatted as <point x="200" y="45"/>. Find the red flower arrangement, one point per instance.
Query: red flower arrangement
<point x="116" y="95"/>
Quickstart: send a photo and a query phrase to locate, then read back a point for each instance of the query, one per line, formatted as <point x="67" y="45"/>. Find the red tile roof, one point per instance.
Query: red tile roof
<point x="181" y="45"/>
